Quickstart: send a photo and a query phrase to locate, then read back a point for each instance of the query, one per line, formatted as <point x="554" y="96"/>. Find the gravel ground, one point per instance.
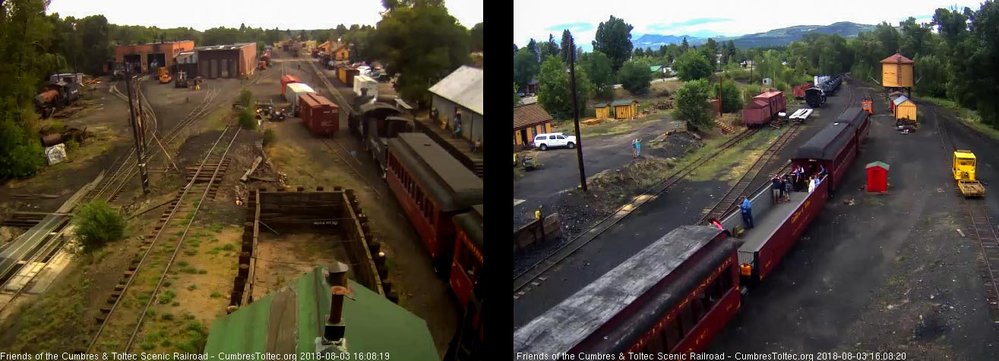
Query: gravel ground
<point x="879" y="272"/>
<point x="607" y="191"/>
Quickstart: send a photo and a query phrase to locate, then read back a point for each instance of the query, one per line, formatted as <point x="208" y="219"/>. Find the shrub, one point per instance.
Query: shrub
<point x="269" y="137"/>
<point x="245" y="97"/>
<point x="98" y="223"/>
<point x="635" y="77"/>
<point x="692" y="104"/>
<point x="247" y="119"/>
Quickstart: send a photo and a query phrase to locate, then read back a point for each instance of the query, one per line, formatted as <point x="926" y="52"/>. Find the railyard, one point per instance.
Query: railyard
<point x="901" y="271"/>
<point x="228" y="214"/>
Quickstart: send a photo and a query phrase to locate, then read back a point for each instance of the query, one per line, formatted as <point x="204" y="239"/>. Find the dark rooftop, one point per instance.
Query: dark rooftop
<point x="826" y="143"/>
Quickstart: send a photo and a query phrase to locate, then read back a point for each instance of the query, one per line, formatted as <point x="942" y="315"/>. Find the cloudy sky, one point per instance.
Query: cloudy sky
<point x="536" y="19"/>
<point x="283" y="14"/>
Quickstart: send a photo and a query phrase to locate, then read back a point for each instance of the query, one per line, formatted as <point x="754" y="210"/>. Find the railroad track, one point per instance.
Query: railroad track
<point x="730" y="199"/>
<point x="984" y="230"/>
<point x="127" y="166"/>
<point x="533" y="275"/>
<point x="129" y="303"/>
<point x="346" y="158"/>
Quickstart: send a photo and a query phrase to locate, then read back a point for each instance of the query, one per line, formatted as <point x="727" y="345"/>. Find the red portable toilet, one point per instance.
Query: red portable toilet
<point x="877" y="177"/>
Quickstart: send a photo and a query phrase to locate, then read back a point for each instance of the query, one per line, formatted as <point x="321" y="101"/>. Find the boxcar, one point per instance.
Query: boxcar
<point x="673" y="296"/>
<point x="834" y="147"/>
<point x="293" y="91"/>
<point x="467" y="261"/>
<point x="763" y="108"/>
<point x="288" y="79"/>
<point x="799" y="90"/>
<point x="319" y="114"/>
<point x="432" y="187"/>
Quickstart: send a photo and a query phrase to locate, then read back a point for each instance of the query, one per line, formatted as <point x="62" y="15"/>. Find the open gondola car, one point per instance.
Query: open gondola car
<point x="432" y="187"/>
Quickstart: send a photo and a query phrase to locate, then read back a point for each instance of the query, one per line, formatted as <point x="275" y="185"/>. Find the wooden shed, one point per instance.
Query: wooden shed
<point x="529" y="120"/>
<point x="896" y="71"/>
<point x="877" y="177"/>
<point x="603" y="110"/>
<point x="904" y="108"/>
<point x="625" y="108"/>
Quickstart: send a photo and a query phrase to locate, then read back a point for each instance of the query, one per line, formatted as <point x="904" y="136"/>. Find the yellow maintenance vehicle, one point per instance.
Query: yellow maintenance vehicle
<point x="964" y="174"/>
<point x="164" y="75"/>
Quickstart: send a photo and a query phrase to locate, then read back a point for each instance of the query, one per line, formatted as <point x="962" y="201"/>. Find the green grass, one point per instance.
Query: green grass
<point x="228" y="247"/>
<point x="967" y="116"/>
<point x="216" y="294"/>
<point x="192" y="287"/>
<point x="167" y="297"/>
<point x="610" y="127"/>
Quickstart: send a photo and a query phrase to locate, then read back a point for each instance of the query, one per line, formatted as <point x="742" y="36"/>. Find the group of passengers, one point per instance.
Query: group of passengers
<point x="796" y="180"/>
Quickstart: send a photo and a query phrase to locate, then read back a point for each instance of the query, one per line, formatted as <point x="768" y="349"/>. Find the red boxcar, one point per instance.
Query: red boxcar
<point x="468" y="249"/>
<point x="763" y="108"/>
<point x="671" y="297"/>
<point x="288" y="79"/>
<point x="432" y="187"/>
<point x="319" y="114"/>
<point x="799" y="90"/>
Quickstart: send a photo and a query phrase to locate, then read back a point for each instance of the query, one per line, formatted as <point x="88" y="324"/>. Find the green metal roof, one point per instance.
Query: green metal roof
<point x="878" y="164"/>
<point x="291" y="320"/>
<point x="623" y="102"/>
<point x="599" y="105"/>
<point x="655" y="68"/>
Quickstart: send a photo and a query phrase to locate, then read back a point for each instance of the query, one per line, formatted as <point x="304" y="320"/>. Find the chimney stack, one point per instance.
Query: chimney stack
<point x="336" y="277"/>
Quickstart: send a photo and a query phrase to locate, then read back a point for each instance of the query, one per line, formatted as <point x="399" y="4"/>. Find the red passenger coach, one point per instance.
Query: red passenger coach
<point x="467" y="254"/>
<point x="432" y="187"/>
<point x="673" y="296"/>
<point x="834" y="147"/>
<point x="763" y="108"/>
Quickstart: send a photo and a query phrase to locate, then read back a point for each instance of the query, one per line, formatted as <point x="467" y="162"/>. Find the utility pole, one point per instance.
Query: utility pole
<point x="138" y="131"/>
<point x="575" y="114"/>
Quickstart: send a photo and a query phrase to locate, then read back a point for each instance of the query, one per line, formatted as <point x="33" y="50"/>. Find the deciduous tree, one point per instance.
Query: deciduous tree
<point x="555" y="95"/>
<point x="613" y="38"/>
<point x="692" y="104"/>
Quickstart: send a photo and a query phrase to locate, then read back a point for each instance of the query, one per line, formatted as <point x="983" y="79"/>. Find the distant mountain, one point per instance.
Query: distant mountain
<point x="784" y="36"/>
<point x="776" y="37"/>
<point x="654" y="41"/>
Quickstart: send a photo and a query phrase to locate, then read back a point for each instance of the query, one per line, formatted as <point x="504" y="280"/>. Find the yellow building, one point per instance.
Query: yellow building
<point x="905" y="109"/>
<point x="625" y="108"/>
<point x="896" y="72"/>
<point x="341" y="51"/>
<point x="529" y="120"/>
<point x="603" y="110"/>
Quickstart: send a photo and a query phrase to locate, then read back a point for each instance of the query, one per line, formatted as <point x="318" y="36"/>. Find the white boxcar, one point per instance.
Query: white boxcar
<point x="293" y="91"/>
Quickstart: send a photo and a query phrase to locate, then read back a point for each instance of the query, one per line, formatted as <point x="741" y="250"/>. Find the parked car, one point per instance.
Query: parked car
<point x="549" y="140"/>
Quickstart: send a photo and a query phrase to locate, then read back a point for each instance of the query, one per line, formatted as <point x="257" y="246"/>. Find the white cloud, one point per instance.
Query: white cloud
<point x="532" y="18"/>
<point x="201" y="14"/>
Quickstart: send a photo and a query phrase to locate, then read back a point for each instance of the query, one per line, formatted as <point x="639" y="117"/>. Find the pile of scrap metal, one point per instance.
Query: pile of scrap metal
<point x="56" y="95"/>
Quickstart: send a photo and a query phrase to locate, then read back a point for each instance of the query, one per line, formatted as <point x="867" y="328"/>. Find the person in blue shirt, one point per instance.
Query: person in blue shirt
<point x="747" y="212"/>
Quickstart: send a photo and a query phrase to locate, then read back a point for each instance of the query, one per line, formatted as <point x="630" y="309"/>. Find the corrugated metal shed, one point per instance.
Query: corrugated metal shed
<point x="463" y="87"/>
<point x="288" y="321"/>
<point x="901" y="99"/>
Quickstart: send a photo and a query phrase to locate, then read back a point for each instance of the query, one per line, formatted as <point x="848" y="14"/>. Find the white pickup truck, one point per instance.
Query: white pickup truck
<point x="549" y="140"/>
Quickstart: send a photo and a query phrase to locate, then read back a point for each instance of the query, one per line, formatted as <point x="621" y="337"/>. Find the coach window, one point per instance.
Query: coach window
<point x="655" y="344"/>
<point x="698" y="307"/>
<point x="673" y="334"/>
<point x="687" y="320"/>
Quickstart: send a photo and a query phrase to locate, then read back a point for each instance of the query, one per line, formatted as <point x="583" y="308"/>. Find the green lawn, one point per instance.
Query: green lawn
<point x="967" y="116"/>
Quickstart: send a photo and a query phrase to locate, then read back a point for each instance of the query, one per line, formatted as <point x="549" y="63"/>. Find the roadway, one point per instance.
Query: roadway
<point x="680" y="205"/>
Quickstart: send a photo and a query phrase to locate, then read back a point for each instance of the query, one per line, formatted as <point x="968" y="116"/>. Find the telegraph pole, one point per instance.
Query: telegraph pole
<point x="575" y="113"/>
<point x="138" y="132"/>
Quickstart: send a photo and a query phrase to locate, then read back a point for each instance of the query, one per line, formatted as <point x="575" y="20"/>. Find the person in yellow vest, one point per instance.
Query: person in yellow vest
<point x="537" y="213"/>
